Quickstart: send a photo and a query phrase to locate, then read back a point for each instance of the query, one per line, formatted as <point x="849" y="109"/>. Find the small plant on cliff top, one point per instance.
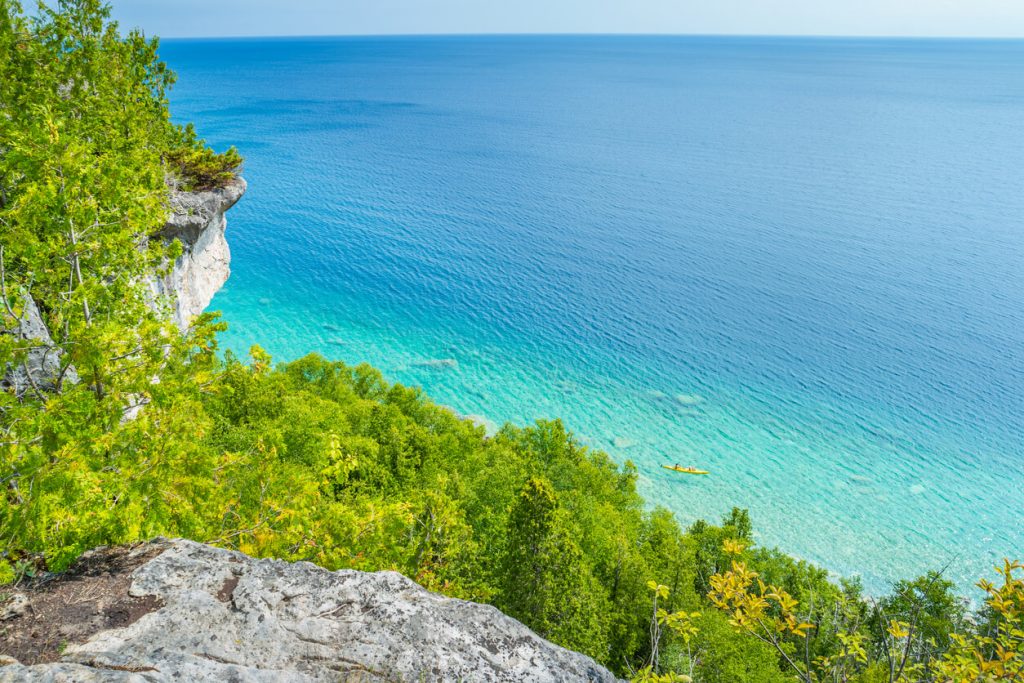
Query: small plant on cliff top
<point x="197" y="167"/>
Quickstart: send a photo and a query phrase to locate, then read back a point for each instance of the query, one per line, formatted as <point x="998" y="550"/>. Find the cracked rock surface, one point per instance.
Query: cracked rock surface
<point x="179" y="610"/>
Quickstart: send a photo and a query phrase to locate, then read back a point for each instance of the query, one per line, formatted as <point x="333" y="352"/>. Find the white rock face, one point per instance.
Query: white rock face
<point x="198" y="221"/>
<point x="216" y="615"/>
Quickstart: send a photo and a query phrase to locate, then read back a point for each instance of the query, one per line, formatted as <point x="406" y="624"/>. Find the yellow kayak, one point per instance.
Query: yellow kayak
<point x="685" y="470"/>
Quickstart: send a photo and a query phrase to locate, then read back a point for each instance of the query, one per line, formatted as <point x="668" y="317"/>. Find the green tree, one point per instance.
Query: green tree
<point x="930" y="608"/>
<point x="545" y="581"/>
<point x="84" y="129"/>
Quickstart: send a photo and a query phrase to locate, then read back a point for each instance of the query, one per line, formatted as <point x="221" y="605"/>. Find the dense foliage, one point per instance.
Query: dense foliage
<point x="316" y="460"/>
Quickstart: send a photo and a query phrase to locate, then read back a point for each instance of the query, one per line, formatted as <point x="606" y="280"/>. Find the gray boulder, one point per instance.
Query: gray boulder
<point x="178" y="610"/>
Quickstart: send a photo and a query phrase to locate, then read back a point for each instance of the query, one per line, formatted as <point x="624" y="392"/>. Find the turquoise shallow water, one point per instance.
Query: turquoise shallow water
<point x="797" y="263"/>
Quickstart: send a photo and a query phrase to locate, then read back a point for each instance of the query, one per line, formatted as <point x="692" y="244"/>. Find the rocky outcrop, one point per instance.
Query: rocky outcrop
<point x="198" y="221"/>
<point x="42" y="369"/>
<point x="178" y="610"/>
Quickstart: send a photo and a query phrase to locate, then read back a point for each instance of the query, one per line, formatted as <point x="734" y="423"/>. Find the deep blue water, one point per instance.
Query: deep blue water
<point x="797" y="263"/>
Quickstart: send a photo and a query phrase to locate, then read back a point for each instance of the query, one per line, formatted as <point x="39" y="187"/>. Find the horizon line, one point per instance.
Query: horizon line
<point x="564" y="34"/>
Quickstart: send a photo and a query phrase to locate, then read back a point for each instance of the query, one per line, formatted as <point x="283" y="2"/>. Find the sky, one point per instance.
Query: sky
<point x="211" y="18"/>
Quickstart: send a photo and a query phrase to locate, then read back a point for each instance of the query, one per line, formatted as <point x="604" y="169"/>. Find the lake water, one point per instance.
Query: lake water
<point x="796" y="263"/>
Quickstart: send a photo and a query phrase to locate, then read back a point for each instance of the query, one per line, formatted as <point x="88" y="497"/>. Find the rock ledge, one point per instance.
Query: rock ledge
<point x="179" y="610"/>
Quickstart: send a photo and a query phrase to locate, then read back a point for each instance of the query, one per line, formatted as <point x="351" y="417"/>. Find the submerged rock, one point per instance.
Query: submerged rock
<point x="178" y="610"/>
<point x="680" y="403"/>
<point x="438" y="364"/>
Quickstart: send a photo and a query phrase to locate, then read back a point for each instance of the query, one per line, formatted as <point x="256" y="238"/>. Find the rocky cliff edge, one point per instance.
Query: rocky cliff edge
<point x="198" y="221"/>
<point x="179" y="610"/>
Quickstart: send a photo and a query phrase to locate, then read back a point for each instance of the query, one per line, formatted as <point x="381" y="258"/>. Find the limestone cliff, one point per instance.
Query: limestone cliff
<point x="198" y="221"/>
<point x="178" y="610"/>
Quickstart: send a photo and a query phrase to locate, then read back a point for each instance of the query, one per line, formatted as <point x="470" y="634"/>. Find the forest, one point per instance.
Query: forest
<point x="142" y="431"/>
